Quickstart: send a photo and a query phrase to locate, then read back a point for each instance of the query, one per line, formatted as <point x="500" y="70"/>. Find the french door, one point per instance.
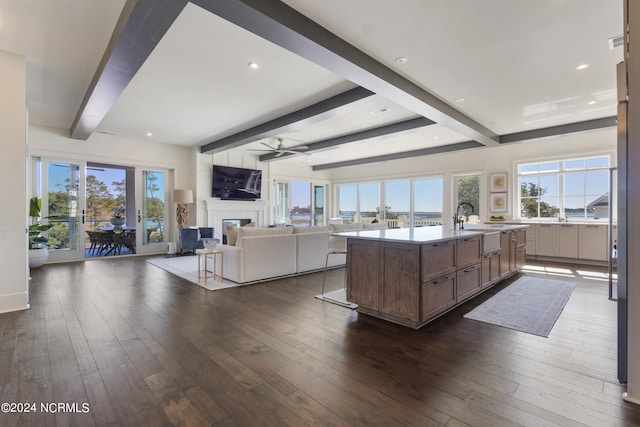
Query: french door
<point x="152" y="210"/>
<point x="63" y="204"/>
<point x="80" y="199"/>
<point x="300" y="203"/>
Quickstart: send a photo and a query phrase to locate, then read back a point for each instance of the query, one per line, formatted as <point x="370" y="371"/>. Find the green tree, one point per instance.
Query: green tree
<point x="120" y="189"/>
<point x="530" y="194"/>
<point x="387" y="213"/>
<point x="154" y="207"/>
<point x="99" y="199"/>
<point x="469" y="192"/>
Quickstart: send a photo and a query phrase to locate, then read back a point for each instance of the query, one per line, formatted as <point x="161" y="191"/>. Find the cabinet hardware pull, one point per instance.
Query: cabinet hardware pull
<point x="444" y="279"/>
<point x="592" y="226"/>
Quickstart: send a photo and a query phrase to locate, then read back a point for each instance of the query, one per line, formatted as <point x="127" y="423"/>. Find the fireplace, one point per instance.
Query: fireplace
<point x="234" y="210"/>
<point x="236" y="223"/>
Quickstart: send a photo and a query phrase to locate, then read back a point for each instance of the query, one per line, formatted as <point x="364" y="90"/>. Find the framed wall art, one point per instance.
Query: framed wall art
<point x="498" y="182"/>
<point x="498" y="202"/>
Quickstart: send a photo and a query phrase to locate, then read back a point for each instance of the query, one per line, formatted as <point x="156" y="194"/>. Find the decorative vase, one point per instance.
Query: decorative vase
<point x="117" y="222"/>
<point x="37" y="257"/>
<point x="211" y="245"/>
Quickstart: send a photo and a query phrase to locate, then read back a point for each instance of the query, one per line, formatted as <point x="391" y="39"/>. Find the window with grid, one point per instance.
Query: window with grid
<point x="572" y="188"/>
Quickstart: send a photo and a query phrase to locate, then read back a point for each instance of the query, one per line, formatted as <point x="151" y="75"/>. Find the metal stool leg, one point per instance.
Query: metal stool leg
<point x="326" y="265"/>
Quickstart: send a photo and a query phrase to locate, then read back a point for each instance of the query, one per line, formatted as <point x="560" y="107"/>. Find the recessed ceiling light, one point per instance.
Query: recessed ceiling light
<point x="459" y="99"/>
<point x="253" y="64"/>
<point x="591" y="102"/>
<point x="379" y="111"/>
<point x="149" y="134"/>
<point x="582" y="66"/>
<point x="401" y="60"/>
<point x="435" y="137"/>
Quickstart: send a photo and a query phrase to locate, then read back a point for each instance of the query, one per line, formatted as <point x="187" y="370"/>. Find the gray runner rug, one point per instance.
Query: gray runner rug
<point x="529" y="305"/>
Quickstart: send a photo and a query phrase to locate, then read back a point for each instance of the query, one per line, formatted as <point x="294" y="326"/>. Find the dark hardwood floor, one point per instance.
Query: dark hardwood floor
<point x="131" y="344"/>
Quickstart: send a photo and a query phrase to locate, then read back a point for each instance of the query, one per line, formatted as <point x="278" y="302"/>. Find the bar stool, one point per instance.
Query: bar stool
<point x="337" y="246"/>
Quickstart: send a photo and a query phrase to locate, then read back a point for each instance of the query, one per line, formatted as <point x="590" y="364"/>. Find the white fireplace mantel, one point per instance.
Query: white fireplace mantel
<point x="218" y="210"/>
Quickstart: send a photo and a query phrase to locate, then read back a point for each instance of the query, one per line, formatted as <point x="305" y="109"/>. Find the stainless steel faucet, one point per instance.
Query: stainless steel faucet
<point x="460" y="213"/>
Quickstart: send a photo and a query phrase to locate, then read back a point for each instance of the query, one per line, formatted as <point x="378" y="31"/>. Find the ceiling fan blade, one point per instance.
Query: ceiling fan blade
<point x="280" y="153"/>
<point x="257" y="149"/>
<point x="300" y="147"/>
<point x="270" y="146"/>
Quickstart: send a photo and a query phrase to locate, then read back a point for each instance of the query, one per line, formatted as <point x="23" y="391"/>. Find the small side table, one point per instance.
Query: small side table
<point x="204" y="273"/>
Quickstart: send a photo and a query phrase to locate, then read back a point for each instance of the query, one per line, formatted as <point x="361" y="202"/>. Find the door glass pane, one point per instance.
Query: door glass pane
<point x="318" y="205"/>
<point x="397" y="201"/>
<point x="301" y="202"/>
<point x="427" y="202"/>
<point x="63" y="190"/>
<point x="153" y="208"/>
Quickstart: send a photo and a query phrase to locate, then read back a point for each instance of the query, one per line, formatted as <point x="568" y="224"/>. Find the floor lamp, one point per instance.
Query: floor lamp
<point x="182" y="198"/>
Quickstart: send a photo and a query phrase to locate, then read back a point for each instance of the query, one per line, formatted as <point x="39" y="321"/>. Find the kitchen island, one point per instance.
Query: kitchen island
<point x="412" y="275"/>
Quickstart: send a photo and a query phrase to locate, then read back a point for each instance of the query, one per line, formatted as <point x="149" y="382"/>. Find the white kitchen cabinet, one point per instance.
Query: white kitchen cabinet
<point x="574" y="241"/>
<point x="567" y="240"/>
<point x="593" y="242"/>
<point x="532" y="232"/>
<point x="546" y="240"/>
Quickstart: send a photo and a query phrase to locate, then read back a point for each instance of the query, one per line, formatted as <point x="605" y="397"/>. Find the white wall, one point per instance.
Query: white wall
<point x="121" y="151"/>
<point x="13" y="192"/>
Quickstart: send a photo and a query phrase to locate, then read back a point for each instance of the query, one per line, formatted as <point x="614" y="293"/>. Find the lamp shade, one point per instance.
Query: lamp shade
<point x="182" y="196"/>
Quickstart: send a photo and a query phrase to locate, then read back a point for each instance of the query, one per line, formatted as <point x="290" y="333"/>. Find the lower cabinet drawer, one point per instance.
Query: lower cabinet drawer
<point x="468" y="282"/>
<point x="438" y="295"/>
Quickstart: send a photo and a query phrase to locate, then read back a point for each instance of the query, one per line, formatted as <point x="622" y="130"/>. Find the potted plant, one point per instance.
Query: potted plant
<point x="117" y="219"/>
<point x="38" y="250"/>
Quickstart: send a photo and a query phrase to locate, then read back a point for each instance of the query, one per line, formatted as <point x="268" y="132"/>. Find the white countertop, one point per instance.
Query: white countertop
<point x="421" y="235"/>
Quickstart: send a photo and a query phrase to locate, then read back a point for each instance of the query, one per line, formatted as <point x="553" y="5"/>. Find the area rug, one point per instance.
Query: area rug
<point x="529" y="305"/>
<point x="338" y="297"/>
<point x="187" y="268"/>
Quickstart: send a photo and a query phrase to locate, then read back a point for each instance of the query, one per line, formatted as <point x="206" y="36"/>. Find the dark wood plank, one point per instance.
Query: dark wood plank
<point x="144" y="347"/>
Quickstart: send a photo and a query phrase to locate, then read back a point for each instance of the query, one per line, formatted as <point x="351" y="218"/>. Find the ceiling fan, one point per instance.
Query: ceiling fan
<point x="280" y="149"/>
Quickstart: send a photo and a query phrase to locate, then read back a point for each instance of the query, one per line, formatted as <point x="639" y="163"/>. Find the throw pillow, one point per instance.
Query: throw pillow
<point x="232" y="233"/>
<point x="314" y="229"/>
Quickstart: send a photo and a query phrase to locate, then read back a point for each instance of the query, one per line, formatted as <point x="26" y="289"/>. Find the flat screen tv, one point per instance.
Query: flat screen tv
<point x="231" y="183"/>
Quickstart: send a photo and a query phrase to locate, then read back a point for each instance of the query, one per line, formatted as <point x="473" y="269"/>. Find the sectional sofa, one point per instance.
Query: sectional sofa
<point x="267" y="253"/>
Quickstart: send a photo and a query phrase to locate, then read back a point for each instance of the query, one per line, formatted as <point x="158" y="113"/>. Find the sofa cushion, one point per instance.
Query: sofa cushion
<point x="345" y="227"/>
<point x="262" y="231"/>
<point x="315" y="229"/>
<point x="232" y="233"/>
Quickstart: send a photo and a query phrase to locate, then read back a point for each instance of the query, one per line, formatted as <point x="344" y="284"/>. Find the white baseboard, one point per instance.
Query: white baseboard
<point x="14" y="302"/>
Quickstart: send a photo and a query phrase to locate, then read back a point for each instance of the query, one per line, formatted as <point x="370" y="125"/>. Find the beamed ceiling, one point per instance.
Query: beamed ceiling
<point x="356" y="82"/>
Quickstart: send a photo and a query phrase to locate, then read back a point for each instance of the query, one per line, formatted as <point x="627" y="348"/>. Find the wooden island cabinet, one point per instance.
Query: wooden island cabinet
<point x="410" y="276"/>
